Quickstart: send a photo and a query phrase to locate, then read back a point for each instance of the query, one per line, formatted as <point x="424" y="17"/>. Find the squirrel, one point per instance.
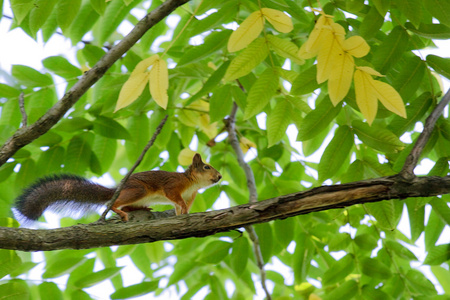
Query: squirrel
<point x="66" y="191"/>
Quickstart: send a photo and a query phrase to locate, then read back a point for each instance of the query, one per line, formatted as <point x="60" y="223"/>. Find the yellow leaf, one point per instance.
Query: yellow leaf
<point x="191" y="115"/>
<point x="159" y="82"/>
<point x="281" y="21"/>
<point x="247" y="32"/>
<point x="320" y="33"/>
<point x="365" y="95"/>
<point x="356" y="46"/>
<point x="185" y="156"/>
<point x="370" y="71"/>
<point x="303" y="54"/>
<point x="340" y="77"/>
<point x="209" y="129"/>
<point x="328" y="54"/>
<point x="246" y="144"/>
<point x="136" y="83"/>
<point x="390" y="98"/>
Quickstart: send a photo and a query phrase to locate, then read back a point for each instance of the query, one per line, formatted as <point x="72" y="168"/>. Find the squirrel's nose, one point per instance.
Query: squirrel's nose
<point x="219" y="177"/>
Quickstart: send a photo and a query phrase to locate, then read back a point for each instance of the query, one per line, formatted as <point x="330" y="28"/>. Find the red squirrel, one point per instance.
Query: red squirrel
<point x="141" y="190"/>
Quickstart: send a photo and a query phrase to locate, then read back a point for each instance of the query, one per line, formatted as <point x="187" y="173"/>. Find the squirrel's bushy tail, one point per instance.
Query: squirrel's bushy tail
<point x="60" y="192"/>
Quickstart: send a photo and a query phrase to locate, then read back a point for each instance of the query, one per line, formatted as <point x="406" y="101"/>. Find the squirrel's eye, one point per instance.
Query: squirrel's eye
<point x="207" y="167"/>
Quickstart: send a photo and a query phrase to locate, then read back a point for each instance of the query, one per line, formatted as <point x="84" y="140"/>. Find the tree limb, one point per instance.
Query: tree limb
<point x="251" y="185"/>
<point x="24" y="136"/>
<point x="211" y="222"/>
<point x="411" y="161"/>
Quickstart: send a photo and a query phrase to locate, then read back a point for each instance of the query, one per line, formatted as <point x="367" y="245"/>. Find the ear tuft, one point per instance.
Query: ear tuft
<point x="197" y="159"/>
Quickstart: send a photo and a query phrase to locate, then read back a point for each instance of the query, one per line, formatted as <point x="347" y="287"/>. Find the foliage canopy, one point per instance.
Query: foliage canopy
<point x="315" y="67"/>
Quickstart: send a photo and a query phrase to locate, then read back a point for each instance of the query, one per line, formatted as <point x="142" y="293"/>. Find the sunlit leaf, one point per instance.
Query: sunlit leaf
<point x="159" y="82"/>
<point x="390" y="98"/>
<point x="365" y="96"/>
<point x="329" y="52"/>
<point x="136" y="83"/>
<point x="356" y="46"/>
<point x="247" y="60"/>
<point x="261" y="92"/>
<point x="278" y="19"/>
<point x="247" y="32"/>
<point x="340" y="77"/>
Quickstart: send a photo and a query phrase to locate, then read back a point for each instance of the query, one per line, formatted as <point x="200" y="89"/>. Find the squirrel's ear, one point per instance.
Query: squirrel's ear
<point x="197" y="159"/>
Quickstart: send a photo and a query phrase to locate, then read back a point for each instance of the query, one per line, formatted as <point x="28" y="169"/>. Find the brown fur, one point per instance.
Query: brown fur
<point x="141" y="190"/>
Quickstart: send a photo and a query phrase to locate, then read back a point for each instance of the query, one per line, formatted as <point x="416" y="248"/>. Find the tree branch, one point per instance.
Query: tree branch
<point x="251" y="185"/>
<point x="24" y="136"/>
<point x="211" y="222"/>
<point x="411" y="161"/>
<point x="136" y="164"/>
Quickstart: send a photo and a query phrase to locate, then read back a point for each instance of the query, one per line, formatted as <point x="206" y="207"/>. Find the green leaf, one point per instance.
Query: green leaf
<point x="212" y="82"/>
<point x="287" y="227"/>
<point x="29" y="77"/>
<point x="67" y="10"/>
<point x="261" y="92"/>
<point x="104" y="149"/>
<point x="400" y="250"/>
<point x="443" y="276"/>
<point x="372" y="22"/>
<point x="39" y="14"/>
<point x="110" y="128"/>
<point x="384" y="213"/>
<point x="278" y="121"/>
<point x="115" y="13"/>
<point x="439" y="64"/>
<point x="21" y="8"/>
<point x="182" y="269"/>
<point x="212" y="43"/>
<point x="49" y="290"/>
<point x="96" y="277"/>
<point x="345" y="291"/>
<point x="438" y="255"/>
<point x="390" y="50"/>
<point x="61" y="67"/>
<point x="50" y="161"/>
<point x="439" y="205"/>
<point x="7" y="91"/>
<point x="336" y="153"/>
<point x="412" y="9"/>
<point x="415" y="111"/>
<point x="92" y="54"/>
<point x="433" y="230"/>
<point x="408" y="80"/>
<point x="9" y="261"/>
<point x="266" y="240"/>
<point x="239" y="255"/>
<point x="15" y="290"/>
<point x="284" y="48"/>
<point x="305" y="82"/>
<point x="83" y="22"/>
<point x="416" y="216"/>
<point x="440" y="9"/>
<point x="430" y="31"/>
<point x="78" y="154"/>
<point x="74" y="124"/>
<point x="220" y="103"/>
<point x="418" y="282"/>
<point x="135" y="290"/>
<point x="366" y="241"/>
<point x="99" y="6"/>
<point x="377" y="137"/>
<point x="39" y="102"/>
<point x="62" y="266"/>
<point x="215" y="252"/>
<point x="6" y="170"/>
<point x="339" y="270"/>
<point x="375" y="268"/>
<point x="317" y="120"/>
<point x="247" y="60"/>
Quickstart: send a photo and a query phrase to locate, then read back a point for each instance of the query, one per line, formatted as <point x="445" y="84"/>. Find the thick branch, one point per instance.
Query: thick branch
<point x="414" y="155"/>
<point x="24" y="136"/>
<point x="211" y="222"/>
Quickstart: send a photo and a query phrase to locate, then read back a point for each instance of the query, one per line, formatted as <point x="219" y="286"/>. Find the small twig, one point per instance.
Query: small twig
<point x="231" y="128"/>
<point x="136" y="164"/>
<point x="22" y="110"/>
<point x="253" y="197"/>
<point x="411" y="161"/>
